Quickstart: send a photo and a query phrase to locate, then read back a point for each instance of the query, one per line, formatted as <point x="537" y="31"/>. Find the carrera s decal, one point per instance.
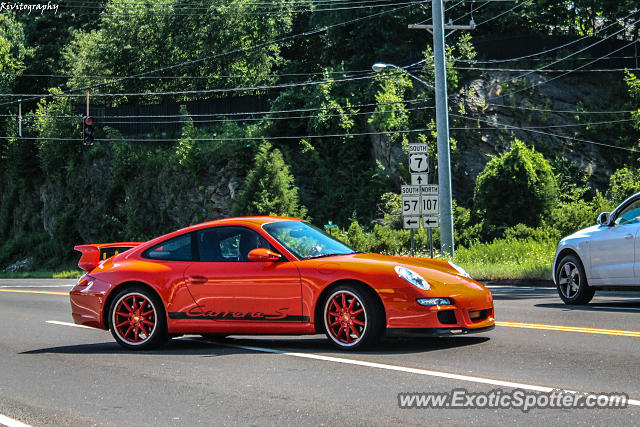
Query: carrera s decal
<point x="199" y="312"/>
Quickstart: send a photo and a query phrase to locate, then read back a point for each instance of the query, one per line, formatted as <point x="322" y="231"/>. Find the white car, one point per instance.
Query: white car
<point x="603" y="256"/>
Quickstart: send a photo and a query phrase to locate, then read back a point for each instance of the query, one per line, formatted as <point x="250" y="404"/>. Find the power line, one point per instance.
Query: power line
<point x="543" y="51"/>
<point x="260" y="11"/>
<point x="193" y="92"/>
<point x="201" y="7"/>
<point x="505" y="12"/>
<point x="557" y="61"/>
<point x="244" y="113"/>
<point x="492" y="61"/>
<point x="565" y="73"/>
<point x="573" y="125"/>
<point x="520" y="70"/>
<point x="256" y="138"/>
<point x="560" y="111"/>
<point x="229" y="76"/>
<point x="238" y="50"/>
<point x="496" y="125"/>
<point x="199" y="119"/>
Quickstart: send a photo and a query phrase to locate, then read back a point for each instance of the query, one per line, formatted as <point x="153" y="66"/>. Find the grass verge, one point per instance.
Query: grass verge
<point x="42" y="274"/>
<point x="508" y="259"/>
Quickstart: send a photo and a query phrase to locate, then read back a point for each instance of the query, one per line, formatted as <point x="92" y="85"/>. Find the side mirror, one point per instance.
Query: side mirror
<point x="263" y="255"/>
<point x="603" y="218"/>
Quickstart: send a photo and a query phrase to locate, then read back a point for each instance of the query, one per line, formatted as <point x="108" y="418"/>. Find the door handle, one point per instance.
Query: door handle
<point x="628" y="236"/>
<point x="197" y="280"/>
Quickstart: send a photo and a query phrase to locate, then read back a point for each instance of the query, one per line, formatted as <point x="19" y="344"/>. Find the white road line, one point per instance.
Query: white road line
<point x="10" y="422"/>
<point x="56" y="322"/>
<point x="36" y="286"/>
<point x="417" y="371"/>
<point x="426" y="372"/>
<point x="602" y="307"/>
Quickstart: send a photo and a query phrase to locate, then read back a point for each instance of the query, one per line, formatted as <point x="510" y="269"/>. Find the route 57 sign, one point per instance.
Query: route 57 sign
<point x="410" y="200"/>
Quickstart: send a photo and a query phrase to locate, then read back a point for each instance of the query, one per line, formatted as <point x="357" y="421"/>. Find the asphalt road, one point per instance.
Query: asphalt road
<point x="57" y="374"/>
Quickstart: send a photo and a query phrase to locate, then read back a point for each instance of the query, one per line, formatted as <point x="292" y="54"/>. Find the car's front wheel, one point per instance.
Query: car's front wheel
<point x="572" y="281"/>
<point x="352" y="318"/>
<point x="137" y="320"/>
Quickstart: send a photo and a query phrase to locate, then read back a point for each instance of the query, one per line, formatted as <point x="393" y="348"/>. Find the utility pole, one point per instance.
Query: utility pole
<point x="442" y="121"/>
<point x="20" y="118"/>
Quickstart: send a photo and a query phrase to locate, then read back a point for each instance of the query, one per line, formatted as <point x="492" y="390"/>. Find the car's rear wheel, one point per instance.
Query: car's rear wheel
<point x="572" y="281"/>
<point x="137" y="320"/>
<point x="352" y="318"/>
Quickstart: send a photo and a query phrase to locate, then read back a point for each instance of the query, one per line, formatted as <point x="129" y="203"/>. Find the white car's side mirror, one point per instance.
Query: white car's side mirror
<point x="603" y="218"/>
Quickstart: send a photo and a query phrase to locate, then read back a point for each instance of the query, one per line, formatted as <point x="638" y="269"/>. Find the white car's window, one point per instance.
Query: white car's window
<point x="630" y="214"/>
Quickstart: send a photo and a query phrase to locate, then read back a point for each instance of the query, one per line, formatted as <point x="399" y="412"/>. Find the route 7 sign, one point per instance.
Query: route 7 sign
<point x="418" y="158"/>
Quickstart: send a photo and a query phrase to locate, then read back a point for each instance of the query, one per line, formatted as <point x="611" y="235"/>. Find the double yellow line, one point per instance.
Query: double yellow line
<point x="19" y="291"/>
<point x="570" y="329"/>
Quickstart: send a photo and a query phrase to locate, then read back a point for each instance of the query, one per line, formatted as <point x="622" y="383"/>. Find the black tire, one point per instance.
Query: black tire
<point x="572" y="281"/>
<point x="360" y="318"/>
<point x="137" y="319"/>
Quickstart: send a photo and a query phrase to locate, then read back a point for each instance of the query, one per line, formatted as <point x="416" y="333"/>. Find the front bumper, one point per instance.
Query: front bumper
<point x="435" y="332"/>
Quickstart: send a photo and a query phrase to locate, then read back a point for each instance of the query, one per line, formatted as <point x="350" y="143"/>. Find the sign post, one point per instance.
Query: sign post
<point x="330" y="227"/>
<point x="420" y="200"/>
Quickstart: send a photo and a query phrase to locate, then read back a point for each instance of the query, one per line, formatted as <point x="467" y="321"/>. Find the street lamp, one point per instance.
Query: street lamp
<point x="380" y="67"/>
<point x="444" y="162"/>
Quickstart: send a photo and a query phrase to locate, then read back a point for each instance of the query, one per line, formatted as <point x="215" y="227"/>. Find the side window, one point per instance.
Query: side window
<point x="630" y="214"/>
<point x="175" y="249"/>
<point x="229" y="244"/>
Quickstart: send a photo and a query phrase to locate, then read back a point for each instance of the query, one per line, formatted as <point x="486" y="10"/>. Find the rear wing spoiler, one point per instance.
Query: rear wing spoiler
<point x="94" y="253"/>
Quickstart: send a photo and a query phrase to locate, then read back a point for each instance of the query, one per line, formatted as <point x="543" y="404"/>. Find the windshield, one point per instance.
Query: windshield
<point x="304" y="240"/>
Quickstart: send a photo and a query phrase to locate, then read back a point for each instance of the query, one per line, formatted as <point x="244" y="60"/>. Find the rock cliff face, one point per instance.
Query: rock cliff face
<point x="542" y="110"/>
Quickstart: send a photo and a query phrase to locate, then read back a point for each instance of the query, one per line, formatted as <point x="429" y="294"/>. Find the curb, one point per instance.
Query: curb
<point x="536" y="283"/>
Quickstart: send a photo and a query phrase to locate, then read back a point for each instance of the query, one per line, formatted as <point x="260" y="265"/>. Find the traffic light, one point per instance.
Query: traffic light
<point x="87" y="130"/>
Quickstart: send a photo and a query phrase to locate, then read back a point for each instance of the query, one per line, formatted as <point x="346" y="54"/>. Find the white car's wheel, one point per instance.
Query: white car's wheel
<point x="572" y="281"/>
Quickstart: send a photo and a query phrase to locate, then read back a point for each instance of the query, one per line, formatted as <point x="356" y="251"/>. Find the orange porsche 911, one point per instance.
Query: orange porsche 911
<point x="270" y="275"/>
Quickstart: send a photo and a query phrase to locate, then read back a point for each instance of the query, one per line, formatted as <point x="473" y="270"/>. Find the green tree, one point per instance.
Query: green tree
<point x="623" y="183"/>
<point x="135" y="36"/>
<point x="12" y="51"/>
<point x="269" y="188"/>
<point x="517" y="187"/>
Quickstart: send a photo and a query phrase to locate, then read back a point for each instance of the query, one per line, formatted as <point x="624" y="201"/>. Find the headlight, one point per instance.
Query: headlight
<point x="412" y="277"/>
<point x="460" y="270"/>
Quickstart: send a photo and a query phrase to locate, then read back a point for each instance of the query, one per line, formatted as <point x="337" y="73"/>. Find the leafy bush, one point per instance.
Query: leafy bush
<point x="517" y="187"/>
<point x="577" y="213"/>
<point x="623" y="183"/>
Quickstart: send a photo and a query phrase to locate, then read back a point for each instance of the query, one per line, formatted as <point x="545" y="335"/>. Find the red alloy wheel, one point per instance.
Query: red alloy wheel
<point x="345" y="318"/>
<point x="134" y="318"/>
